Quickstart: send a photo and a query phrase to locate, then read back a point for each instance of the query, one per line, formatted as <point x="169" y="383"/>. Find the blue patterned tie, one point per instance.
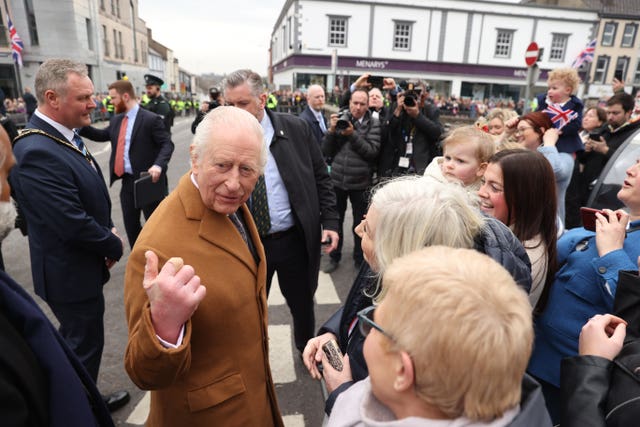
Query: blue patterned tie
<point x="79" y="143"/>
<point x="260" y="207"/>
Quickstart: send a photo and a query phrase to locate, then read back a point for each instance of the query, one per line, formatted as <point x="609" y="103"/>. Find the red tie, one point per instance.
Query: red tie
<point x="118" y="167"/>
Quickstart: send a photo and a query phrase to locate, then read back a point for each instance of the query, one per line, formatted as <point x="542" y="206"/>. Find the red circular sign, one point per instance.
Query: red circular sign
<point x="531" y="55"/>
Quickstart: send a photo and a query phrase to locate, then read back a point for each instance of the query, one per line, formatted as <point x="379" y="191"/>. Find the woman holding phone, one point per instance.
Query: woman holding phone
<point x="585" y="285"/>
<point x="405" y="214"/>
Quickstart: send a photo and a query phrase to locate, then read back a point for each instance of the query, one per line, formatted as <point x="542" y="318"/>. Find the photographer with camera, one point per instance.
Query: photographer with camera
<point x="214" y="102"/>
<point x="353" y="141"/>
<point x="414" y="133"/>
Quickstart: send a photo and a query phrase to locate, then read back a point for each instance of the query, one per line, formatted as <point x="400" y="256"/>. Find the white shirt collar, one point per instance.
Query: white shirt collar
<point x="65" y="131"/>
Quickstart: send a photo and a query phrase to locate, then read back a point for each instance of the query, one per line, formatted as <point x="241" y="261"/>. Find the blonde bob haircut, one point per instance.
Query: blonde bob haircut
<point x="468" y="135"/>
<point x="224" y="118"/>
<point x="467" y="327"/>
<point x="414" y="212"/>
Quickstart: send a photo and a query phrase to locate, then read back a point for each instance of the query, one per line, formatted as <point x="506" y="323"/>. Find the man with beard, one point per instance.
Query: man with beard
<point x="41" y="380"/>
<point x="61" y="191"/>
<point x="140" y="144"/>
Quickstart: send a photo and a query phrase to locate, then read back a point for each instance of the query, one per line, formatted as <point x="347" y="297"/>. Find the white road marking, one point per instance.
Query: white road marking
<point x="281" y="354"/>
<point x="325" y="294"/>
<point x="141" y="411"/>
<point x="293" y="420"/>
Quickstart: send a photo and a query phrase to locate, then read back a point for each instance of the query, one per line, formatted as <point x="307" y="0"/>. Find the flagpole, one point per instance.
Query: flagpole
<point x="15" y="66"/>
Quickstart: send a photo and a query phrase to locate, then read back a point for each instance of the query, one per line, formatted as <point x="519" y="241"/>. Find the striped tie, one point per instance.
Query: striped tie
<point x="260" y="207"/>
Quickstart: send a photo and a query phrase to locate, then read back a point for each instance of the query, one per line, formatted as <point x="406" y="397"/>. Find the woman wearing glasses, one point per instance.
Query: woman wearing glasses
<point x="535" y="132"/>
<point x="431" y="348"/>
<point x="406" y="214"/>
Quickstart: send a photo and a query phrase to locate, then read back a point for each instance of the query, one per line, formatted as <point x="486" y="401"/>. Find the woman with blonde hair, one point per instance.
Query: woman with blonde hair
<point x="406" y="214"/>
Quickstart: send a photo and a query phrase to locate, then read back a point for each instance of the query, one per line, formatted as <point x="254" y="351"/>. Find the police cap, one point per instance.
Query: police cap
<point x="214" y="91"/>
<point x="150" y="80"/>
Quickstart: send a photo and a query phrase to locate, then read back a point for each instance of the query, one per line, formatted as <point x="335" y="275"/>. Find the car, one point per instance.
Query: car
<point x="605" y="190"/>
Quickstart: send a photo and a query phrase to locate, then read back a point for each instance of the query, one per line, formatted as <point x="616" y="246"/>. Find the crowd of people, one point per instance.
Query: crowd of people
<point x="479" y="301"/>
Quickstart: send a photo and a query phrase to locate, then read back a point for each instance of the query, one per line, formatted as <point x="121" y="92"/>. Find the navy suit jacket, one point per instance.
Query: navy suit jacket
<point x="150" y="142"/>
<point x="54" y="389"/>
<point x="67" y="206"/>
<point x="310" y="118"/>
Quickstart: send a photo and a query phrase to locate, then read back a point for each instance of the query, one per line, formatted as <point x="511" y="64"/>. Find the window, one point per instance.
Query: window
<point x="338" y="31"/>
<point x="503" y="43"/>
<point x="31" y="22"/>
<point x="600" y="72"/>
<point x="143" y="50"/>
<point x="105" y="36"/>
<point x="116" y="53"/>
<point x="558" y="47"/>
<point x="290" y="32"/>
<point x="118" y="8"/>
<point x="4" y="31"/>
<point x="89" y="33"/>
<point x="636" y="76"/>
<point x="629" y="36"/>
<point x="101" y="4"/>
<point x="622" y="65"/>
<point x="402" y="35"/>
<point x="120" y="45"/>
<point x="113" y="7"/>
<point x="609" y="33"/>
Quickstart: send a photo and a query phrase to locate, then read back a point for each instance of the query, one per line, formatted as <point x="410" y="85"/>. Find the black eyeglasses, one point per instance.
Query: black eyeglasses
<point x="365" y="322"/>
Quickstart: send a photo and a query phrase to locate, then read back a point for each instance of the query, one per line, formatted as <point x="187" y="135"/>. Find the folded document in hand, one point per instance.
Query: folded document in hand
<point x="145" y="191"/>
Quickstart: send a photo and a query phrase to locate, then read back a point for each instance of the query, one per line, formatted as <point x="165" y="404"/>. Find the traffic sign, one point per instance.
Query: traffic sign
<point x="531" y="55"/>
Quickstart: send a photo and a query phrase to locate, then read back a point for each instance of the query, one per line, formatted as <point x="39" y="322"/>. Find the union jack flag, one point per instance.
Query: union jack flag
<point x="586" y="55"/>
<point x="559" y="117"/>
<point x="16" y="43"/>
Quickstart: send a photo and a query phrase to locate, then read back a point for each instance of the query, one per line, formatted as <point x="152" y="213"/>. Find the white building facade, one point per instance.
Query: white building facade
<point x="472" y="49"/>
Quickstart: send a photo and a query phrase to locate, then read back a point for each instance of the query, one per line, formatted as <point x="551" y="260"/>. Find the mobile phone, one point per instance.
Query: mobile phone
<point x="376" y="81"/>
<point x="618" y="75"/>
<point x="333" y="353"/>
<point x="595" y="135"/>
<point x="589" y="217"/>
<point x="326" y="242"/>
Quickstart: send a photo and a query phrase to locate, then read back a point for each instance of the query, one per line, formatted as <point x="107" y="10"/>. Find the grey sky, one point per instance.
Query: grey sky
<point x="214" y="35"/>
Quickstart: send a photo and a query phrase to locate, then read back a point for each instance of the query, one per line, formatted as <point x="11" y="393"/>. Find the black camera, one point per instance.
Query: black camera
<point x="344" y="118"/>
<point x="411" y="93"/>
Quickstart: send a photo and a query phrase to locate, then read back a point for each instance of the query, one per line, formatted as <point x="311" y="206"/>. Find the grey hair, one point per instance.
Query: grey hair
<point x="240" y="77"/>
<point x="53" y="73"/>
<point x="414" y="212"/>
<point x="227" y="117"/>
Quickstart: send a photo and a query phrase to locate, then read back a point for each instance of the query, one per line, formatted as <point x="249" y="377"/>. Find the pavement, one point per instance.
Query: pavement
<point x="300" y="397"/>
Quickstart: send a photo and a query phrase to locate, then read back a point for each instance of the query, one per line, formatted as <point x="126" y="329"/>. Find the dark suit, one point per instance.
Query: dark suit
<point x="41" y="380"/>
<point x="296" y="256"/>
<point x="66" y="204"/>
<point x="150" y="145"/>
<point x="309" y="116"/>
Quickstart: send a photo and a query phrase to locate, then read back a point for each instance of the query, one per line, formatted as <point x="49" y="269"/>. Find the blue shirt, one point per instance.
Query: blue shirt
<point x="277" y="196"/>
<point x="585" y="285"/>
<point x="131" y="117"/>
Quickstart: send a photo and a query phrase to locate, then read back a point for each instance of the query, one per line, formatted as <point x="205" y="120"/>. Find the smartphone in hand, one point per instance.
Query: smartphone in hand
<point x="589" y="217"/>
<point x="333" y="353"/>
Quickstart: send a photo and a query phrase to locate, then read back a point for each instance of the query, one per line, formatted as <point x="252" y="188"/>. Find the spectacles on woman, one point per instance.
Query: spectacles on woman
<point x="366" y="323"/>
<point x="522" y="129"/>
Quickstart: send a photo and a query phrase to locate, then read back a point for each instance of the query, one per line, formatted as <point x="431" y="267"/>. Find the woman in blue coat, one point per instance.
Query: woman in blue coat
<point x="585" y="285"/>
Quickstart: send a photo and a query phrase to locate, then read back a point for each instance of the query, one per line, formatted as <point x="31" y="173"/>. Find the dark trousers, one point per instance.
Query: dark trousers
<point x="131" y="214"/>
<point x="359" y="201"/>
<point x="287" y="255"/>
<point x="82" y="327"/>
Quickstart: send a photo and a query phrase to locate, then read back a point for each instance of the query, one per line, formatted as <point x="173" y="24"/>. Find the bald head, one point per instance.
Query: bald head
<point x="315" y="97"/>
